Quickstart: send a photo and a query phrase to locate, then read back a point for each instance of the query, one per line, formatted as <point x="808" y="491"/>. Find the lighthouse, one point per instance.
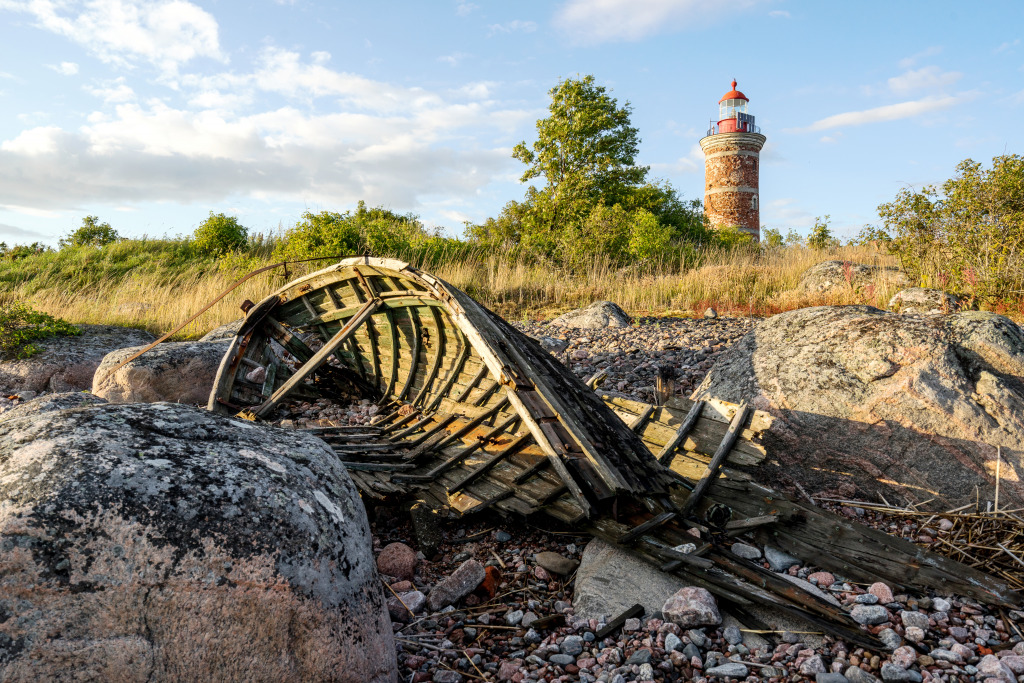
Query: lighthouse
<point x="732" y="149"/>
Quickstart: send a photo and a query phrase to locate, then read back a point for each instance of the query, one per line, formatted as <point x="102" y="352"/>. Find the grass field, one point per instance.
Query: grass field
<point x="155" y="284"/>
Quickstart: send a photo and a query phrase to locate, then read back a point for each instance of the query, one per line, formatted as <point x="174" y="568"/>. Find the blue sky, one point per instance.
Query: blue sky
<point x="152" y="113"/>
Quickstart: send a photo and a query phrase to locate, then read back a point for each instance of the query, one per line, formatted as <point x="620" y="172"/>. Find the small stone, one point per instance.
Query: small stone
<point x="918" y="619"/>
<point x="692" y="606"/>
<point x="642" y="656"/>
<point x="631" y="625"/>
<point x="691" y="651"/>
<point x="730" y="669"/>
<point x="778" y="560"/>
<point x="890" y="639"/>
<point x="513" y="618"/>
<point x="553" y="562"/>
<point x="914" y="634"/>
<point x="697" y="637"/>
<point x="822" y="579"/>
<point x="462" y="582"/>
<point x="446" y="676"/>
<point x="502" y="536"/>
<point x="941" y="605"/>
<point x="855" y="674"/>
<point x="812" y="666"/>
<point x="397" y="559"/>
<point x="673" y="643"/>
<point x="562" y="660"/>
<point x="508" y="669"/>
<point x="732" y="635"/>
<point x="828" y="678"/>
<point x="533" y="637"/>
<point x="904" y="657"/>
<point x="747" y="552"/>
<point x="866" y="599"/>
<point x="528" y="619"/>
<point x="646" y="673"/>
<point x="869" y="614"/>
<point x="883" y="592"/>
<point x="893" y="673"/>
<point x="572" y="645"/>
<point x="711" y="314"/>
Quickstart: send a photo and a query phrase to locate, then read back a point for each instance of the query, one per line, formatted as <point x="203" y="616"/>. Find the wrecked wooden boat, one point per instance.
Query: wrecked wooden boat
<point x="477" y="416"/>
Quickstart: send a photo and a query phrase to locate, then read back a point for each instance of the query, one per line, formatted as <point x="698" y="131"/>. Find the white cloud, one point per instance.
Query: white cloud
<point x="512" y="27"/>
<point x="925" y="78"/>
<point x="779" y="14"/>
<point x="910" y="61"/>
<point x="113" y="92"/>
<point x="691" y="163"/>
<point x="599" y="21"/>
<point x="464" y="8"/>
<point x="1006" y="47"/>
<point x="65" y="68"/>
<point x="165" y="33"/>
<point x="453" y="59"/>
<point x="381" y="142"/>
<point x="890" y="112"/>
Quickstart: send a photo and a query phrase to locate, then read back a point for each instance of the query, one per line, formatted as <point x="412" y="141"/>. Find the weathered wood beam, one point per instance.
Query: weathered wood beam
<point x="318" y="359"/>
<point x="454" y="375"/>
<point x="414" y="356"/>
<point x="485" y="467"/>
<point x="435" y="365"/>
<point x="669" y="451"/>
<point x="472" y="383"/>
<point x="711" y="473"/>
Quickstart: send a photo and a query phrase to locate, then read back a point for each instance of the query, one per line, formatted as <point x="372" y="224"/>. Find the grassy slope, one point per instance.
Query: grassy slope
<point x="156" y="284"/>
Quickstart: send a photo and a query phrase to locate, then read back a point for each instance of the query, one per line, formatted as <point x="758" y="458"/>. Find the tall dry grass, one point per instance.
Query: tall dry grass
<point x="737" y="282"/>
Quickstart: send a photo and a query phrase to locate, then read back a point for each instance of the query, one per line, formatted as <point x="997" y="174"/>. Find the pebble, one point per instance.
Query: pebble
<point x="890" y="639"/>
<point x="747" y="552"/>
<point x="732" y="635"/>
<point x="893" y="673"/>
<point x="869" y="614"/>
<point x="883" y="592"/>
<point x="730" y="669"/>
<point x="572" y="645"/>
<point x="918" y="619"/>
<point x="778" y="560"/>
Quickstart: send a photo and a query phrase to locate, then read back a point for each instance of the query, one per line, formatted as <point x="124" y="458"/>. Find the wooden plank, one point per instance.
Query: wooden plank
<point x="453" y="375"/>
<point x="318" y="359"/>
<point x="634" y="612"/>
<point x="637" y="425"/>
<point x="472" y="384"/>
<point x="414" y="356"/>
<point x="668" y="452"/>
<point x="462" y="453"/>
<point x="482" y="469"/>
<point x="716" y="461"/>
<point x="393" y="369"/>
<point x="435" y="365"/>
<point x="460" y="432"/>
<point x="641" y="529"/>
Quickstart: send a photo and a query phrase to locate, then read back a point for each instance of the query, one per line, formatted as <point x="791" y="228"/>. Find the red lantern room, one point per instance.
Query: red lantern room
<point x="732" y="114"/>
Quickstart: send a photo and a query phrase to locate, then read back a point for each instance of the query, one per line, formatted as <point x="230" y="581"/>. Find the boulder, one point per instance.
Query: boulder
<point x="67" y="363"/>
<point x="225" y="332"/>
<point x="837" y="276"/>
<point x="178" y="372"/>
<point x="866" y="401"/>
<point x="927" y="301"/>
<point x="162" y="542"/>
<point x="596" y="316"/>
<point x="610" y="581"/>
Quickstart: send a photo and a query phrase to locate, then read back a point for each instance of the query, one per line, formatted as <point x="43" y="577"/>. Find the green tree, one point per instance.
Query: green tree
<point x="91" y="234"/>
<point x="375" y="231"/>
<point x="595" y="198"/>
<point x="772" y="238"/>
<point x="821" y="236"/>
<point x="219" y="235"/>
<point x="968" y="234"/>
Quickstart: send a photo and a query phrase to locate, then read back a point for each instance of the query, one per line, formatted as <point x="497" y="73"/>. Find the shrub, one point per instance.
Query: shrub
<point x="91" y="234"/>
<point x="20" y="326"/>
<point x="821" y="236"/>
<point x="219" y="235"/>
<point x="772" y="238"/>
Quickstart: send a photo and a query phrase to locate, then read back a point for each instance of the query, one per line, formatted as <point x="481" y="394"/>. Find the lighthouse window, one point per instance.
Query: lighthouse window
<point x="753" y="202"/>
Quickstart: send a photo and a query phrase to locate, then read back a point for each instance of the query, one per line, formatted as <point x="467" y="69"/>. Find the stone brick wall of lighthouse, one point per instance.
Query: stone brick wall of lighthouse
<point x="731" y="196"/>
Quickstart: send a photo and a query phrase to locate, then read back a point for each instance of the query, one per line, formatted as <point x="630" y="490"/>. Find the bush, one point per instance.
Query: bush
<point x="20" y="326"/>
<point x="968" y="235"/>
<point x="821" y="236"/>
<point x="91" y="234"/>
<point x="20" y="251"/>
<point x="219" y="235"/>
<point x="772" y="238"/>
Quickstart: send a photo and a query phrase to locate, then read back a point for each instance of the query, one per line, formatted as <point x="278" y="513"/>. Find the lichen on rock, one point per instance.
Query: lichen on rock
<point x="140" y="542"/>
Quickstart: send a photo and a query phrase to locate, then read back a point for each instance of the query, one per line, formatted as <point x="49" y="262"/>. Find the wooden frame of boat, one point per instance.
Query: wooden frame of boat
<point x="477" y="416"/>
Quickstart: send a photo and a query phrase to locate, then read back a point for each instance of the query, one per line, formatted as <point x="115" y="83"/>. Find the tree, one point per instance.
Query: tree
<point x="771" y="238"/>
<point x="219" y="235"/>
<point x="595" y="198"/>
<point x="821" y="236"/>
<point x="91" y="234"/>
<point x="966" y="236"/>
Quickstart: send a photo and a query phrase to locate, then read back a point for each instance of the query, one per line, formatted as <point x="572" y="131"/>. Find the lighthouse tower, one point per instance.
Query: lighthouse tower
<point x="731" y="151"/>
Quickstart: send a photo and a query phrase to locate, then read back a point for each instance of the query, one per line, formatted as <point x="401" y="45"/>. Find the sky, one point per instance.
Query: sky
<point x="150" y="114"/>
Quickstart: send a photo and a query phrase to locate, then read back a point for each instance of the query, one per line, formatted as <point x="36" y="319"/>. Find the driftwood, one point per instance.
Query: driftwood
<point x="477" y="416"/>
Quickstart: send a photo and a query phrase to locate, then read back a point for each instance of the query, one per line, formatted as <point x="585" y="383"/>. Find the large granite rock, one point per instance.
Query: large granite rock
<point x="868" y="401"/>
<point x="179" y="372"/>
<point x="161" y="542"/>
<point x="68" y="363"/>
<point x="833" y="276"/>
<point x="598" y="315"/>
<point x="225" y="332"/>
<point x="926" y="301"/>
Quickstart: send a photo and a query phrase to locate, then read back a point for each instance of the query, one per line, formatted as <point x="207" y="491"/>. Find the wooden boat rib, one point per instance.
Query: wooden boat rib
<point x="478" y="416"/>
